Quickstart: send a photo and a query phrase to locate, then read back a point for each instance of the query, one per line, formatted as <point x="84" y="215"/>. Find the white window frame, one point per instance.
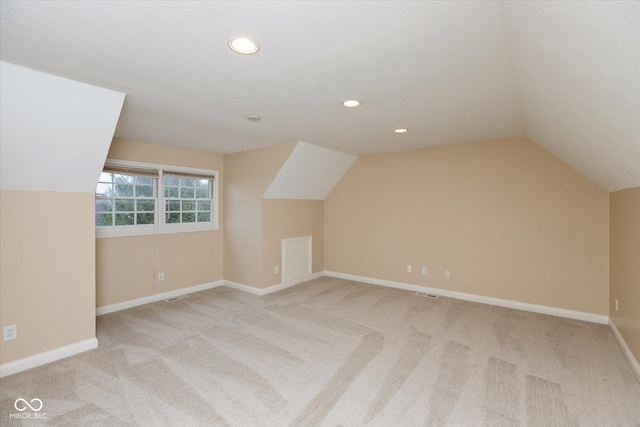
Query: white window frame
<point x="160" y="226"/>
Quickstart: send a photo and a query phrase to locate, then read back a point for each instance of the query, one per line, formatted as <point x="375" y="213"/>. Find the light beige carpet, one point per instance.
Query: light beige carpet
<point x="334" y="353"/>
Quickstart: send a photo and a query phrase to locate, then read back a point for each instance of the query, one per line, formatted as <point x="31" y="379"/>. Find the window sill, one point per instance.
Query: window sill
<point x="126" y="231"/>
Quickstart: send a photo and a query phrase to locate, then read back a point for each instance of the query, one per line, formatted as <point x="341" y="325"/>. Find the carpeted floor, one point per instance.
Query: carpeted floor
<point x="334" y="353"/>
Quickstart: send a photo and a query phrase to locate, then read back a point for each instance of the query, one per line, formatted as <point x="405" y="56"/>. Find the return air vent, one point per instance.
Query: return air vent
<point x="420" y="294"/>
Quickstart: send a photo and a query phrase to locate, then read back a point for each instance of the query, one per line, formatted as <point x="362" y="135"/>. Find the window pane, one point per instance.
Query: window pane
<point x="123" y="190"/>
<point x="171" y="192"/>
<point x="125" y="199"/>
<point x="104" y="219"/>
<point x="124" y="219"/>
<point x="204" y="216"/>
<point x="202" y="193"/>
<point x="187" y="193"/>
<point x="171" y="180"/>
<point x="202" y="183"/>
<point x="124" y="205"/>
<point x="144" y="180"/>
<point x="173" y="218"/>
<point x="189" y="205"/>
<point x="104" y="205"/>
<point x="187" y="182"/>
<point x="144" y="191"/>
<point x="145" y="218"/>
<point x="172" y="205"/>
<point x="144" y="205"/>
<point x="123" y="179"/>
<point x="105" y="177"/>
<point x="204" y="206"/>
<point x="103" y="189"/>
<point x="189" y="217"/>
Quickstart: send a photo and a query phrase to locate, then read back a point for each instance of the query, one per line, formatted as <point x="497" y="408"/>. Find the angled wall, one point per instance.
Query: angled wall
<point x="625" y="265"/>
<point x="276" y="193"/>
<point x="505" y="217"/>
<point x="54" y="138"/>
<point x="248" y="174"/>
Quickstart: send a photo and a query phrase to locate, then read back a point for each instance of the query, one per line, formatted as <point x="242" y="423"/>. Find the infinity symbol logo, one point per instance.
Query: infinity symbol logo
<point x="24" y="402"/>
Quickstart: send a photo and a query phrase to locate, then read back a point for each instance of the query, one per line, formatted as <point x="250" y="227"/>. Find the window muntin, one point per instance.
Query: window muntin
<point x="188" y="199"/>
<point x="125" y="199"/>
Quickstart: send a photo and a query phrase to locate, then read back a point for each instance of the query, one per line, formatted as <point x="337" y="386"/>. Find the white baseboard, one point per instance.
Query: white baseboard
<point x="542" y="309"/>
<point x="20" y="365"/>
<point x="157" y="297"/>
<point x="635" y="366"/>
<point x="274" y="288"/>
<point x="73" y="349"/>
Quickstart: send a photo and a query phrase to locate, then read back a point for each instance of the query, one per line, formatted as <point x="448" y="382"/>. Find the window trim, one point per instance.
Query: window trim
<point x="160" y="226"/>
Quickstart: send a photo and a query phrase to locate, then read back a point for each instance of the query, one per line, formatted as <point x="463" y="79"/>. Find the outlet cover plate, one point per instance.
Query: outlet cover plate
<point x="10" y="332"/>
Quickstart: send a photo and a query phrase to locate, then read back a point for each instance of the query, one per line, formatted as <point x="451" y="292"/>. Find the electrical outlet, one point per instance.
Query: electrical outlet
<point x="160" y="277"/>
<point x="447" y="274"/>
<point x="424" y="271"/>
<point x="10" y="332"/>
<point x="616" y="304"/>
<point x="276" y="269"/>
<point x="408" y="269"/>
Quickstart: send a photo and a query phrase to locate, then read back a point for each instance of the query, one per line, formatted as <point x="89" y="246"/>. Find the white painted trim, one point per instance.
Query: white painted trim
<point x="542" y="309"/>
<point x="160" y="226"/>
<point x="274" y="288"/>
<point x="156" y="297"/>
<point x="309" y="270"/>
<point x="635" y="366"/>
<point x="106" y="309"/>
<point x="244" y="288"/>
<point x="40" y="359"/>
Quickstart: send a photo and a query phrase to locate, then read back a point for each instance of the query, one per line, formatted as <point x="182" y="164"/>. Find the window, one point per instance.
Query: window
<point x="134" y="198"/>
<point x="125" y="197"/>
<point x="187" y="199"/>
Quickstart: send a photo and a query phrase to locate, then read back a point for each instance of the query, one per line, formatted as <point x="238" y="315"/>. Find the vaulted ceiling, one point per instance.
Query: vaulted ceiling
<point x="564" y="74"/>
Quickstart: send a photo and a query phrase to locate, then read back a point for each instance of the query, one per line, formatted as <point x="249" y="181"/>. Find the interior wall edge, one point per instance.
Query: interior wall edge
<point x="635" y="366"/>
<point x="275" y="288"/>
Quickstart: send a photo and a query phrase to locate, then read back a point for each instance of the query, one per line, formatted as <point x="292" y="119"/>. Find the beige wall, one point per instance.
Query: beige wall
<point x="625" y="265"/>
<point x="127" y="267"/>
<point x="508" y="219"/>
<point x="47" y="270"/>
<point x="248" y="174"/>
<point x="284" y="219"/>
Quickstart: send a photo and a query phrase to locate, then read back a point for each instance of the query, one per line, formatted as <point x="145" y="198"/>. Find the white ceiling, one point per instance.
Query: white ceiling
<point x="565" y="74"/>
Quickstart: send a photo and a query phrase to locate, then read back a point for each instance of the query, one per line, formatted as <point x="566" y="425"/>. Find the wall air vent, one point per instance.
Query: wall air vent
<point x="176" y="298"/>
<point x="420" y="294"/>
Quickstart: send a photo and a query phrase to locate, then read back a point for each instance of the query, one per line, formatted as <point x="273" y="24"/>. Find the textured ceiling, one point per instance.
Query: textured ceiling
<point x="565" y="74"/>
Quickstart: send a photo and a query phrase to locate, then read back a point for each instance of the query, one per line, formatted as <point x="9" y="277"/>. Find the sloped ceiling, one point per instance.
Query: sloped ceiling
<point x="54" y="133"/>
<point x="565" y="74"/>
<point x="310" y="173"/>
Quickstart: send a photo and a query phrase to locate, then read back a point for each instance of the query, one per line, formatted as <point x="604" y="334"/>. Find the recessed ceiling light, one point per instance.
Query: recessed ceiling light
<point x="253" y="117"/>
<point x="401" y="130"/>
<point x="243" y="45"/>
<point x="351" y="103"/>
